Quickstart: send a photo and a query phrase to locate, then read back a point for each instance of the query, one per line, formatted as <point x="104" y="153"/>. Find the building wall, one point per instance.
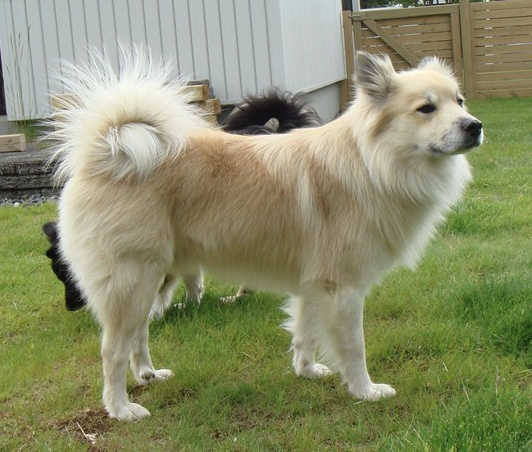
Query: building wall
<point x="241" y="46"/>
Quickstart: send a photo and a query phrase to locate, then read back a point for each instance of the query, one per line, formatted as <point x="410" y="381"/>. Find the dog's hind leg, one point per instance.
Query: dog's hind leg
<point x="343" y="320"/>
<point x="123" y="313"/>
<point x="194" y="286"/>
<point x="304" y="326"/>
<point x="164" y="296"/>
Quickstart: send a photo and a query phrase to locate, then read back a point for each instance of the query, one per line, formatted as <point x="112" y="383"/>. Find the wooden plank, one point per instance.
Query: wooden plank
<point x="467" y="43"/>
<point x="415" y="29"/>
<point x="392" y="42"/>
<point x="408" y="22"/>
<point x="514" y="30"/>
<point x="421" y="38"/>
<point x="456" y="43"/>
<point x="505" y="84"/>
<point x="501" y="23"/>
<point x="514" y="76"/>
<point x="502" y="58"/>
<point x="504" y="67"/>
<point x="507" y="4"/>
<point x="209" y="107"/>
<point x="503" y="40"/>
<point x="429" y="47"/>
<point x="197" y="93"/>
<point x="505" y="93"/>
<point x="503" y="49"/>
<point x="502" y="14"/>
<point x="212" y="119"/>
<point x="346" y="86"/>
<point x="12" y="142"/>
<point x="397" y="13"/>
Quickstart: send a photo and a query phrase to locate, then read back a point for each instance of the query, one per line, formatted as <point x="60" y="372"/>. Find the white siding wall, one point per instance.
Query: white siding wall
<point x="242" y="46"/>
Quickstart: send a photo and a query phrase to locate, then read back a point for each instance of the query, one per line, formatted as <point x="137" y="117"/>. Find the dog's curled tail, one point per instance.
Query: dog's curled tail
<point x="120" y="122"/>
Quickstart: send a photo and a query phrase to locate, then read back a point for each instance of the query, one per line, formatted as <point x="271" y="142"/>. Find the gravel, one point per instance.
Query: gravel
<point x="27" y="200"/>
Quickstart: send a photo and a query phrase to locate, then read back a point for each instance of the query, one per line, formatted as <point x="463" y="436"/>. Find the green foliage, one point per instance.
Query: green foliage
<point x="454" y="337"/>
<point x="365" y="4"/>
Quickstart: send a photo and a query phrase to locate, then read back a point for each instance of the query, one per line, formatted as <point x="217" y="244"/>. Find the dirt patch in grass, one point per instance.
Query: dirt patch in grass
<point x="86" y="426"/>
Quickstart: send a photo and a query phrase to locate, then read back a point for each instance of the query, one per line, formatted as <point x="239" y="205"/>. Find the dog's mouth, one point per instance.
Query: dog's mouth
<point x="466" y="148"/>
<point x="470" y="136"/>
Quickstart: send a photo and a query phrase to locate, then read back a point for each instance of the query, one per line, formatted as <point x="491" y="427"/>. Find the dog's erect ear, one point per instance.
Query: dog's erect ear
<point x="374" y="75"/>
<point x="50" y="230"/>
<point x="435" y="64"/>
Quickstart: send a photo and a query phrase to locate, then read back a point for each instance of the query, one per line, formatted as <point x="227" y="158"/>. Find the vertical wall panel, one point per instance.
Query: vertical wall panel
<point x="185" y="49"/>
<point x="153" y="22"/>
<point x="122" y="20"/>
<point x="241" y="46"/>
<point x="261" y="45"/>
<point x="78" y="28"/>
<point x="245" y="41"/>
<point x="214" y="45"/>
<point x="168" y="30"/>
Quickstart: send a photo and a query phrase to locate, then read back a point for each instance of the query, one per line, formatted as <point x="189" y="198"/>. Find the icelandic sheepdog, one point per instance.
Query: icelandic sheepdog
<point x="323" y="213"/>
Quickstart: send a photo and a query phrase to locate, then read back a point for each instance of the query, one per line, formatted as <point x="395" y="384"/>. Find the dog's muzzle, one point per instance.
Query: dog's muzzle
<point x="473" y="132"/>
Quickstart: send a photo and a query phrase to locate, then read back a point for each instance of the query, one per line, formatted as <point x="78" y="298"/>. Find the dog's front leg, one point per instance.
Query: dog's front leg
<point x="304" y="325"/>
<point x="346" y="335"/>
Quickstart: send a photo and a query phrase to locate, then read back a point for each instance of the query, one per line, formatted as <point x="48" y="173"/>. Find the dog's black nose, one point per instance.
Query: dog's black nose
<point x="472" y="127"/>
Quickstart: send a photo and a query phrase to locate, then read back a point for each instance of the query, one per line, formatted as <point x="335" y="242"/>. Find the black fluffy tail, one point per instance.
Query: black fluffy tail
<point x="273" y="112"/>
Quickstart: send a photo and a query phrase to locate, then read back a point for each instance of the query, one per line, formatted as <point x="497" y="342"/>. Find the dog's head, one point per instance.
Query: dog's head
<point x="74" y="300"/>
<point x="422" y="108"/>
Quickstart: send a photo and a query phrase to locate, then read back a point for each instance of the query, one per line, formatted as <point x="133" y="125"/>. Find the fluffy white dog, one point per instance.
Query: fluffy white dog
<point x="321" y="213"/>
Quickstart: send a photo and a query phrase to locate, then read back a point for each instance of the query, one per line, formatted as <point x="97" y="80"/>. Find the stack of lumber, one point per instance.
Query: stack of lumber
<point x="201" y="96"/>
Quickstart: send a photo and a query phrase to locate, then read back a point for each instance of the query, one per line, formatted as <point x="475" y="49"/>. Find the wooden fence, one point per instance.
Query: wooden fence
<point x="489" y="44"/>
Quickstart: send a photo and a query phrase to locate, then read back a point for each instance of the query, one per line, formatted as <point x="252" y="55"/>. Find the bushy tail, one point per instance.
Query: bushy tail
<point x="253" y="116"/>
<point x="120" y="122"/>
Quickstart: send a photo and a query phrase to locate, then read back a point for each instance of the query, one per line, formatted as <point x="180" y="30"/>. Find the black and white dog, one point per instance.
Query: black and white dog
<point x="275" y="111"/>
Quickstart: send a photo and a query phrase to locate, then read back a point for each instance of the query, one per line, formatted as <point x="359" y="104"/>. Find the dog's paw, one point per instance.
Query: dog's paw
<point x="148" y="376"/>
<point x="374" y="392"/>
<point x="229" y="299"/>
<point x="128" y="412"/>
<point x="313" y="370"/>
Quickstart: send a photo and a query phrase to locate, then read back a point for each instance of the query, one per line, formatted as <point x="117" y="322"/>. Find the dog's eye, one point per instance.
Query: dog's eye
<point x="426" y="109"/>
<point x="460" y="101"/>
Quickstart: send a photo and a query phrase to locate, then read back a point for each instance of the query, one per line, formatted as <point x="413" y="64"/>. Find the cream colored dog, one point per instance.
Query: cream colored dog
<point x="322" y="213"/>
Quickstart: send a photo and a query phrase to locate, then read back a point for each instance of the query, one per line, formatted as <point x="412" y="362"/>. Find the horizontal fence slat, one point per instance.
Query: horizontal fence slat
<point x="406" y="22"/>
<point x="405" y="12"/>
<point x="505" y="84"/>
<point x="503" y="58"/>
<point x="516" y="30"/>
<point x="504" y="93"/>
<point x="506" y="4"/>
<point x="502" y="23"/>
<point x="489" y="42"/>
<point x="495" y="77"/>
<point x="506" y="68"/>
<point x="415" y="38"/>
<point x="503" y="49"/>
<point x="502" y="14"/>
<point x="415" y="29"/>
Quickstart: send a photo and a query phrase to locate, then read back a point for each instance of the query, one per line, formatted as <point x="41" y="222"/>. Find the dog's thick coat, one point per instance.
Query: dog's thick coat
<point x="251" y="117"/>
<point x="321" y="213"/>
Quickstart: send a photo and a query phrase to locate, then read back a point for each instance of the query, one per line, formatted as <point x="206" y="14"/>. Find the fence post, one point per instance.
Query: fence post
<point x="466" y="28"/>
<point x="346" y="87"/>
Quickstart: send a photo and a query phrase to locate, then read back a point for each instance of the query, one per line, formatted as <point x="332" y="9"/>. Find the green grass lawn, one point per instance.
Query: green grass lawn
<point x="453" y="337"/>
